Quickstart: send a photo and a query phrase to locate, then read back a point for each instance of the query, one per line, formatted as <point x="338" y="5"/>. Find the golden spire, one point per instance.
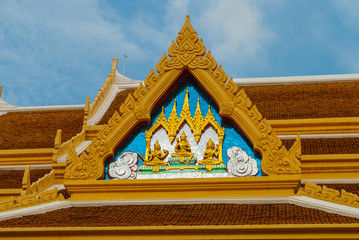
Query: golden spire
<point x="186" y="48"/>
<point x="198" y="113"/>
<point x="185" y="109"/>
<point x="173" y="114"/>
<point x="172" y="121"/>
<point x="209" y="113"/>
<point x="187" y="28"/>
<point x="162" y="116"/>
<point x="197" y="120"/>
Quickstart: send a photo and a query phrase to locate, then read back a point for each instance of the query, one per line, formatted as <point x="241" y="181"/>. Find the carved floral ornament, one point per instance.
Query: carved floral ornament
<point x="187" y="53"/>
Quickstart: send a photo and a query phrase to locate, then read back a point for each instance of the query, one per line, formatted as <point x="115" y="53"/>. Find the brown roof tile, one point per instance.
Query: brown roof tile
<point x="195" y="214"/>
<point x="115" y="105"/>
<point x="317" y="146"/>
<point x="24" y="130"/>
<point x="13" y="178"/>
<point x="298" y="101"/>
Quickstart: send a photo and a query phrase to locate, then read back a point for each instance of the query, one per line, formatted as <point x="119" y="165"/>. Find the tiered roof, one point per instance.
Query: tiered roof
<point x="302" y="101"/>
<point x="24" y="130"/>
<point x="13" y="178"/>
<point x="325" y="113"/>
<point x="179" y="215"/>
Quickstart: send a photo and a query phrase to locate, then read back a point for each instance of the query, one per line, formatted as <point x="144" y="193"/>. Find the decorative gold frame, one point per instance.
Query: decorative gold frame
<point x="197" y="124"/>
<point x="329" y="194"/>
<point x="188" y="53"/>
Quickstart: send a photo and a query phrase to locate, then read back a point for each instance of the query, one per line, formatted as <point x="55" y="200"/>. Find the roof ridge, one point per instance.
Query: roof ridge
<point x="306" y="79"/>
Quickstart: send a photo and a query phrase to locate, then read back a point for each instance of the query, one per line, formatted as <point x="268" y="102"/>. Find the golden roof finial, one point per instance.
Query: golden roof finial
<point x="187" y="25"/>
<point x="187" y="47"/>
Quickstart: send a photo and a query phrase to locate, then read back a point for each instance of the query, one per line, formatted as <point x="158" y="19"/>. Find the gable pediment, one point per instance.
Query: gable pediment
<point x="187" y="55"/>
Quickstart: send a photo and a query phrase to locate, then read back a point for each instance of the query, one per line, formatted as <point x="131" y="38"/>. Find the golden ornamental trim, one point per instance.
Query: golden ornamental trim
<point x="63" y="148"/>
<point x="188" y="53"/>
<point x="329" y="194"/>
<point x="173" y="124"/>
<point x="105" y="89"/>
<point x="30" y="200"/>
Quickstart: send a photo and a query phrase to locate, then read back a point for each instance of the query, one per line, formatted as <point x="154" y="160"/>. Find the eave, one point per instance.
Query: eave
<point x="282" y="231"/>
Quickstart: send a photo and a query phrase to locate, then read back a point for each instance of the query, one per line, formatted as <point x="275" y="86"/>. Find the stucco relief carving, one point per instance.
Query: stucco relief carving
<point x="125" y="166"/>
<point x="31" y="200"/>
<point x="329" y="194"/>
<point x="188" y="52"/>
<point x="240" y="164"/>
<point x="275" y="157"/>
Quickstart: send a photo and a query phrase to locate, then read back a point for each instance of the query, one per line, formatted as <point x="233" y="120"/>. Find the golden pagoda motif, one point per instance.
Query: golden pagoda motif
<point x="172" y="126"/>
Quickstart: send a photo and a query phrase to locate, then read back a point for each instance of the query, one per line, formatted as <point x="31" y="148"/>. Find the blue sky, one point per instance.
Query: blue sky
<point x="60" y="52"/>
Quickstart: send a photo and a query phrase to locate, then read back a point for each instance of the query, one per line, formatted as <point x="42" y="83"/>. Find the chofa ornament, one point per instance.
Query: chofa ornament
<point x="240" y="164"/>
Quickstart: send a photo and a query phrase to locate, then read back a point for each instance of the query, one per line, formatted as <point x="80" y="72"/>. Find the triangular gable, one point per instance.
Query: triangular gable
<point x="188" y="53"/>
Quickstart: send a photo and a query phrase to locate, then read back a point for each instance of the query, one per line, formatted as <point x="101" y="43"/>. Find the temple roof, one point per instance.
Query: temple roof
<point x="93" y="135"/>
<point x="338" y="145"/>
<point x="37" y="129"/>
<point x="115" y="105"/>
<point x="179" y="215"/>
<point x="24" y="130"/>
<point x="13" y="178"/>
<point x="295" y="101"/>
<point x="300" y="101"/>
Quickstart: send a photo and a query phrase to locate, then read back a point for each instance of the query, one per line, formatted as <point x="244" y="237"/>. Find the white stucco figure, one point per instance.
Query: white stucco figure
<point x="240" y="164"/>
<point x="125" y="166"/>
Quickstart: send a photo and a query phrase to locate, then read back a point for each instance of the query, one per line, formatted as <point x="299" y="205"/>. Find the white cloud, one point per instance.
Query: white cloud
<point x="176" y="14"/>
<point x="145" y="34"/>
<point x="53" y="49"/>
<point x="234" y="29"/>
<point x="61" y="51"/>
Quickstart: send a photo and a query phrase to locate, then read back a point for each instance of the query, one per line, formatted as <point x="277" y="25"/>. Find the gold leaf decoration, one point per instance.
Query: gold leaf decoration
<point x="196" y="123"/>
<point x="77" y="168"/>
<point x="151" y="78"/>
<point x="187" y="53"/>
<point x="31" y="200"/>
<point x="328" y="194"/>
